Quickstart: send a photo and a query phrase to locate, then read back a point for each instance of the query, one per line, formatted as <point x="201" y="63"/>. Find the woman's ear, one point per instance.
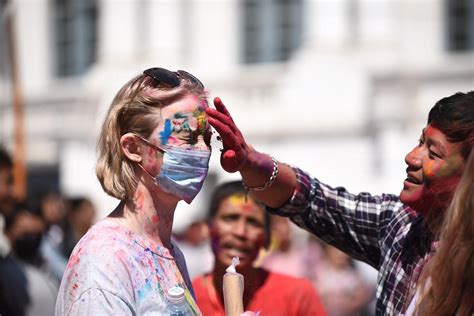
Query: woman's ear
<point x="130" y="147"/>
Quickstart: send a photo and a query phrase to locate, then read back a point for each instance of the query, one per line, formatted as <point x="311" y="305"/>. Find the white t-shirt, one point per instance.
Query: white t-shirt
<point x="113" y="271"/>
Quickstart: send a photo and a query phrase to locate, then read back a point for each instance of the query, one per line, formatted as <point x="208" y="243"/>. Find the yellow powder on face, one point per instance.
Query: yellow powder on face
<point x="202" y="122"/>
<point x="237" y="199"/>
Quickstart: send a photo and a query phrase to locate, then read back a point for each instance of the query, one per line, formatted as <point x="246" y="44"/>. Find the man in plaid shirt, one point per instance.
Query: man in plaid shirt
<point x="391" y="233"/>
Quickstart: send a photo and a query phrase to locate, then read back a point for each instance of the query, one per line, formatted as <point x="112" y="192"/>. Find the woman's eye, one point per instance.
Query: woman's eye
<point x="194" y="138"/>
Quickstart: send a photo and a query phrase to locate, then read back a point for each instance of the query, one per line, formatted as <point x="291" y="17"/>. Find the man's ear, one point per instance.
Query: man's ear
<point x="130" y="147"/>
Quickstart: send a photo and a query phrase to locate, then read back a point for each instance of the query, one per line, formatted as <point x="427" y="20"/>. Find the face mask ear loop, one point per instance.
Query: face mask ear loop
<point x="152" y="177"/>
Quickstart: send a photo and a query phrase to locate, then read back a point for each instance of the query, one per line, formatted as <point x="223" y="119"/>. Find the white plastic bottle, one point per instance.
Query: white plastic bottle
<point x="177" y="305"/>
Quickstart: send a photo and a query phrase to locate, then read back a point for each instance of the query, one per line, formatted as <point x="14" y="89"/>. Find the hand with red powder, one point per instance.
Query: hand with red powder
<point x="236" y="152"/>
<point x="256" y="168"/>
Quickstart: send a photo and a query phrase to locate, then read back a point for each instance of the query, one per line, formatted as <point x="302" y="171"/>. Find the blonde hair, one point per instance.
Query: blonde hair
<point x="134" y="109"/>
<point x="447" y="281"/>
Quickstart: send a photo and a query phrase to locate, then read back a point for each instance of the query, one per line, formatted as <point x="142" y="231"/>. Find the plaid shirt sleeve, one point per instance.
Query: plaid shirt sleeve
<point x="356" y="224"/>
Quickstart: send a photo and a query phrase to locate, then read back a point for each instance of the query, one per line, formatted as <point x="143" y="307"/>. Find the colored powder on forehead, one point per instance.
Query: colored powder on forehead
<point x="165" y="134"/>
<point x="247" y="208"/>
<point x="237" y="199"/>
<point x="179" y="115"/>
<point x="201" y="119"/>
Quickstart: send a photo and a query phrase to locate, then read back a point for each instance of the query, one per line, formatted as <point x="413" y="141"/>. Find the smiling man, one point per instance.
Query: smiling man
<point x="241" y="227"/>
<point x="434" y="169"/>
<point x="394" y="234"/>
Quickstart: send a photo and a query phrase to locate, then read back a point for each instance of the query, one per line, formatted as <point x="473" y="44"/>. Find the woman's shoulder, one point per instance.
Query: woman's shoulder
<point x="102" y="261"/>
<point x="105" y="245"/>
<point x="106" y="232"/>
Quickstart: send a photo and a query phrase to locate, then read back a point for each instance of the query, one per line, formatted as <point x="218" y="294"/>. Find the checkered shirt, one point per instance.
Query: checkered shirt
<point x="378" y="230"/>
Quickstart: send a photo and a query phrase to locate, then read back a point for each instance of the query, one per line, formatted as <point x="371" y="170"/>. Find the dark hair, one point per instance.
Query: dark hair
<point x="75" y="203"/>
<point x="5" y="159"/>
<point x="454" y="116"/>
<point x="227" y="189"/>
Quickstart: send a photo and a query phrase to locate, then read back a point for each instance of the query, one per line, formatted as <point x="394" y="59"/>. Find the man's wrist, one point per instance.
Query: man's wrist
<point x="259" y="168"/>
<point x="267" y="184"/>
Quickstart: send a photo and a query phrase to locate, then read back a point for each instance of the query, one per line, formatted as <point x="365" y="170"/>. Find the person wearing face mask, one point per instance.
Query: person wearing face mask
<point x="153" y="151"/>
<point x="13" y="283"/>
<point x="25" y="229"/>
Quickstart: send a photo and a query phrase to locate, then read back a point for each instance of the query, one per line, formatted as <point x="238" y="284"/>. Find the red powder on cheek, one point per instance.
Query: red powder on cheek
<point x="155" y="219"/>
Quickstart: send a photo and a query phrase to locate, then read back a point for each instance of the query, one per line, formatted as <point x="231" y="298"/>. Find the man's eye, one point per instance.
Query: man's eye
<point x="433" y="154"/>
<point x="229" y="218"/>
<point x="255" y="223"/>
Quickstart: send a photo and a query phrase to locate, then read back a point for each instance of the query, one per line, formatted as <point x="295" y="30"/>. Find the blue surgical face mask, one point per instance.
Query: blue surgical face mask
<point x="183" y="172"/>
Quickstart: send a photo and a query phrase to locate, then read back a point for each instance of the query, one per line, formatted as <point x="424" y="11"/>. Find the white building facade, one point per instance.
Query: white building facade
<point x="340" y="88"/>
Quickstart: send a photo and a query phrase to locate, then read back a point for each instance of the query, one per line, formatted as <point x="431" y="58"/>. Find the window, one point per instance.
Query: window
<point x="76" y="35"/>
<point x="272" y="29"/>
<point x="3" y="38"/>
<point x="460" y="25"/>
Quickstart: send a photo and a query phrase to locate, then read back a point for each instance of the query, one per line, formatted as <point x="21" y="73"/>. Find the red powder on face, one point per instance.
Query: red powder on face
<point x="155" y="219"/>
<point x="247" y="208"/>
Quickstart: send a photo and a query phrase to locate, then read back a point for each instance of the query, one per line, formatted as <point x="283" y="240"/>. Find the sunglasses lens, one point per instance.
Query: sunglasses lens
<point x="163" y="76"/>
<point x="170" y="79"/>
<point x="191" y="78"/>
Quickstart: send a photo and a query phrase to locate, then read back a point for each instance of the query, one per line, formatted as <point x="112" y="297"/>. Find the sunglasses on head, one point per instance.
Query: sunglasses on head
<point x="169" y="78"/>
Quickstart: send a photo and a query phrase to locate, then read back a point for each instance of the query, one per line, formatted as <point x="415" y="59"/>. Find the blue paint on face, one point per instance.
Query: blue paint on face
<point x="165" y="134"/>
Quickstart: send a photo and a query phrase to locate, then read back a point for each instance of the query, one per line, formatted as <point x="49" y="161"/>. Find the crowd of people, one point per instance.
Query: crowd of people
<point x="153" y="151"/>
<point x="36" y="239"/>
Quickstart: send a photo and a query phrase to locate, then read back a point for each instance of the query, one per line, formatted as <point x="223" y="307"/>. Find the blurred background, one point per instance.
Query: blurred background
<point x="340" y="88"/>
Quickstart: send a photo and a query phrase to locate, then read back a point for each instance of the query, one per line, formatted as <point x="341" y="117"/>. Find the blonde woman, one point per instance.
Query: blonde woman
<point x="153" y="151"/>
<point x="446" y="285"/>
